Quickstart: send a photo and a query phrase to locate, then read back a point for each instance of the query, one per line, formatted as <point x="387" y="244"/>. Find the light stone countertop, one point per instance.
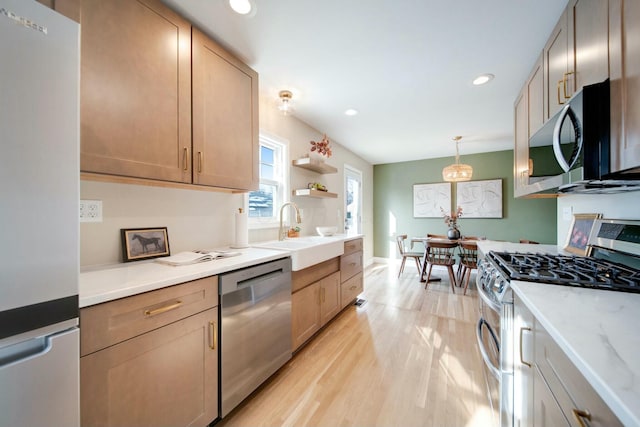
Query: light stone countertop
<point x="598" y="331"/>
<point x="107" y="283"/>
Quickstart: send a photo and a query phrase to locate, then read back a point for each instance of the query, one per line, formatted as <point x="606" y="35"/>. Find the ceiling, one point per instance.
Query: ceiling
<point x="405" y="65"/>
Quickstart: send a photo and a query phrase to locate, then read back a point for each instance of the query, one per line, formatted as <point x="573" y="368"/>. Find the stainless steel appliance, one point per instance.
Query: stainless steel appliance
<point x="571" y="152"/>
<point x="255" y="337"/>
<point x="614" y="265"/>
<point x="39" y="183"/>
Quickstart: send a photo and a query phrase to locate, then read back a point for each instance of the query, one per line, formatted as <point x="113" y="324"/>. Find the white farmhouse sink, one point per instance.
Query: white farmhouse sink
<point x="307" y="251"/>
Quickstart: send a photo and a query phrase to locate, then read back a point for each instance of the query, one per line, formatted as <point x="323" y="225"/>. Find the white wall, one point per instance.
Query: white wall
<point x="612" y="206"/>
<point x="203" y="219"/>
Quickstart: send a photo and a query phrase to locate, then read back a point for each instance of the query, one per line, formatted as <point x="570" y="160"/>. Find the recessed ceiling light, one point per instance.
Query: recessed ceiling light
<point x="243" y="7"/>
<point x="482" y="79"/>
<point x="351" y="112"/>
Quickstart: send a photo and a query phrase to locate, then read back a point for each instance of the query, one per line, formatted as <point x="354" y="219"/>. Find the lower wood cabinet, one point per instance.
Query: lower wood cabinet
<point x="167" y="377"/>
<point x="350" y="289"/>
<point x="313" y="307"/>
<point x="151" y="359"/>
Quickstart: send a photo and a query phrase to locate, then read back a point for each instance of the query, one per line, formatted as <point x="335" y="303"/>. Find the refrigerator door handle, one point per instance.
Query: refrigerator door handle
<point x="19" y="352"/>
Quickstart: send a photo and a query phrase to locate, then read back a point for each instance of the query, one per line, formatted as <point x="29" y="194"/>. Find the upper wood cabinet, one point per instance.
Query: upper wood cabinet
<point x="589" y="40"/>
<point x="135" y="90"/>
<point x="535" y="98"/>
<point x="557" y="61"/>
<point x="624" y="48"/>
<point x="521" y="145"/>
<point x="146" y="83"/>
<point x="225" y="117"/>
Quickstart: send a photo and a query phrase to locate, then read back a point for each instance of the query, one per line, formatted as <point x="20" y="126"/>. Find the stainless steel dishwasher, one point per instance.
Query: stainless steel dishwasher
<point x="255" y="336"/>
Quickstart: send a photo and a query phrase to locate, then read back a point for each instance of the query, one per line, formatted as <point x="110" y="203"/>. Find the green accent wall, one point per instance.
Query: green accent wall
<point x="533" y="219"/>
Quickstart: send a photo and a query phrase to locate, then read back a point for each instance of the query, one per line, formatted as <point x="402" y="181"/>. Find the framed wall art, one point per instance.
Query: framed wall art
<point x="480" y="199"/>
<point x="579" y="232"/>
<point x="430" y="199"/>
<point x="144" y="243"/>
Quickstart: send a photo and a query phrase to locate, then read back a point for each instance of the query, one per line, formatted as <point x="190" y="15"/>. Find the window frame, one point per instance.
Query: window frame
<point x="280" y="147"/>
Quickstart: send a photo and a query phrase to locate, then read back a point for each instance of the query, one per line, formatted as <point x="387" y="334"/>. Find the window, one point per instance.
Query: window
<point x="264" y="203"/>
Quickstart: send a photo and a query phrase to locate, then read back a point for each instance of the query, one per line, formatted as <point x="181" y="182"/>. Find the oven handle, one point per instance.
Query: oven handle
<point x="486" y="298"/>
<point x="483" y="351"/>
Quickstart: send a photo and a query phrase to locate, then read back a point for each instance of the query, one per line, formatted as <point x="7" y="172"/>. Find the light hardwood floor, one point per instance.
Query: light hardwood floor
<point x="407" y="357"/>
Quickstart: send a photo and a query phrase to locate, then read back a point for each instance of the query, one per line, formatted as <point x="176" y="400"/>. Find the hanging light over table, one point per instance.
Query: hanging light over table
<point x="457" y="171"/>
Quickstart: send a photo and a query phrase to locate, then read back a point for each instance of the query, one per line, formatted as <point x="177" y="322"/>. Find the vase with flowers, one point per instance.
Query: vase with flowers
<point x="452" y="221"/>
<point x="321" y="149"/>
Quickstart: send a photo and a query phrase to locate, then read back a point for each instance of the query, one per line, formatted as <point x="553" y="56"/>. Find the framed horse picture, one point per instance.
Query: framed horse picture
<point x="144" y="243"/>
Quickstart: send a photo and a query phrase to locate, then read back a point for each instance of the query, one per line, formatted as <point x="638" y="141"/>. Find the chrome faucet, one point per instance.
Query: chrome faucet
<point x="281" y="232"/>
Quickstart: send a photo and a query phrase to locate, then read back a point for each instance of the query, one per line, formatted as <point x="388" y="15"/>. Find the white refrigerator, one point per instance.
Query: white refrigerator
<point x="39" y="230"/>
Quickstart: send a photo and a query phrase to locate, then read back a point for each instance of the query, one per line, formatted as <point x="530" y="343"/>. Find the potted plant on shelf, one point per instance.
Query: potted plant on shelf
<point x="452" y="221"/>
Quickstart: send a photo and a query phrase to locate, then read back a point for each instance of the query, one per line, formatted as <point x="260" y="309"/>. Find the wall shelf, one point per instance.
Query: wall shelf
<point x="316" y="165"/>
<point x="307" y="192"/>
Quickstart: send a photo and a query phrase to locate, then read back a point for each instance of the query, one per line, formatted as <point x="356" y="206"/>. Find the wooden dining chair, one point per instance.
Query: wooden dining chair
<point x="468" y="261"/>
<point x="441" y="253"/>
<point x="460" y="270"/>
<point x="406" y="253"/>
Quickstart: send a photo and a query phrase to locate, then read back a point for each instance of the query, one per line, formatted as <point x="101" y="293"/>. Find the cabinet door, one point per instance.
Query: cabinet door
<point x="624" y="50"/>
<point x="225" y="118"/>
<point x="535" y="97"/>
<point x="521" y="146"/>
<point x="166" y="377"/>
<point x="590" y="41"/>
<point x="556" y="63"/>
<point x="305" y="314"/>
<point x="329" y="297"/>
<point x="547" y="412"/>
<point x="523" y="363"/>
<point x="135" y="90"/>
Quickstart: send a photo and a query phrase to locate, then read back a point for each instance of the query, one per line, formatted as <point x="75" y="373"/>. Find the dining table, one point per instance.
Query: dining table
<point x="426" y="241"/>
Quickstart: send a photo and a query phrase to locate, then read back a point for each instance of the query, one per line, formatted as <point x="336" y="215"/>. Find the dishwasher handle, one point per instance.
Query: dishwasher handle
<point x="250" y="276"/>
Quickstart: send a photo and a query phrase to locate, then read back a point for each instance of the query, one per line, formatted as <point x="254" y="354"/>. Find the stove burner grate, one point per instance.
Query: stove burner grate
<point x="568" y="270"/>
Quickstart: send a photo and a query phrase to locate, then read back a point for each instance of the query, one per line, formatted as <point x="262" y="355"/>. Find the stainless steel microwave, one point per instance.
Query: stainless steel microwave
<point x="571" y="152"/>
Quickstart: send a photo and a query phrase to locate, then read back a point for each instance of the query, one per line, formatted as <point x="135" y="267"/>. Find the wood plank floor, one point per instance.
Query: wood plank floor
<point x="407" y="357"/>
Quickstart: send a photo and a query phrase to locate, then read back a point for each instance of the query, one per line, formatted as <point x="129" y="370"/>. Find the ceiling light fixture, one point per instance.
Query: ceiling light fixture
<point x="351" y="112"/>
<point x="243" y="7"/>
<point x="483" y="79"/>
<point x="457" y="171"/>
<point x="285" y="102"/>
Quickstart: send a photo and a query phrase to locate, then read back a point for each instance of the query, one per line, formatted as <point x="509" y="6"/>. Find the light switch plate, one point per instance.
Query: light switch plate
<point x="90" y="210"/>
<point x="566" y="213"/>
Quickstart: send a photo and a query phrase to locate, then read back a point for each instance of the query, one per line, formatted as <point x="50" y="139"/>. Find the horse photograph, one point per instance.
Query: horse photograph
<point x="144" y="243"/>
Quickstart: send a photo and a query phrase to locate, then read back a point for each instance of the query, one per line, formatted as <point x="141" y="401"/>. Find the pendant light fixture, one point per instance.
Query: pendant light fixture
<point x="285" y="102"/>
<point x="457" y="171"/>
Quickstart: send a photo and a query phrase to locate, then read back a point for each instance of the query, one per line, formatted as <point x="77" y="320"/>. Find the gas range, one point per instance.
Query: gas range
<point x="567" y="270"/>
<point x="613" y="264"/>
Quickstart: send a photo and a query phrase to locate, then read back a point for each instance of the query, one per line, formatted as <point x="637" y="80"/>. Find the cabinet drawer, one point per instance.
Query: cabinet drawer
<point x="352" y="246"/>
<point x="351" y="289"/>
<point x="106" y="324"/>
<point x="569" y="387"/>
<point x="350" y="265"/>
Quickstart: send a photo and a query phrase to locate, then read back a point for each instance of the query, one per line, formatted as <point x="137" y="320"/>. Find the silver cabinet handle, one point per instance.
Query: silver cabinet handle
<point x="521" y="358"/>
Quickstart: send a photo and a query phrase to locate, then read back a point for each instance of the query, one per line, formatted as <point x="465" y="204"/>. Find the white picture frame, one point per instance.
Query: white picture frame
<point x="480" y="199"/>
<point x="430" y="199"/>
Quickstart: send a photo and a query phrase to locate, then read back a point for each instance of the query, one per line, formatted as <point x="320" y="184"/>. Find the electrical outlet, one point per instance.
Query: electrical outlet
<point x="90" y="210"/>
<point x="566" y="213"/>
